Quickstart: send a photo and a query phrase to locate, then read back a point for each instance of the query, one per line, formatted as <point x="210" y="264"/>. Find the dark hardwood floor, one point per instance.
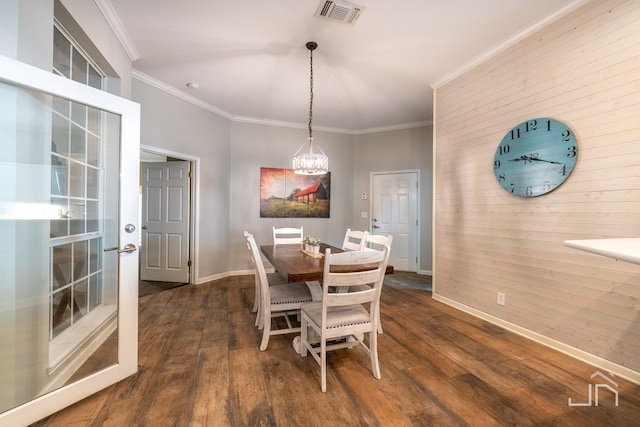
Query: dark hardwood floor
<point x="200" y="366"/>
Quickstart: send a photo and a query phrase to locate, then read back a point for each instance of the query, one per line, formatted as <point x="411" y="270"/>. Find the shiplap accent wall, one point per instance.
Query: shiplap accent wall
<point x="583" y="69"/>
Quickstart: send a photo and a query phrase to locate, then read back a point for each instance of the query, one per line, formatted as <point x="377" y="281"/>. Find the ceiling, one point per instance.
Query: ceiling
<point x="250" y="61"/>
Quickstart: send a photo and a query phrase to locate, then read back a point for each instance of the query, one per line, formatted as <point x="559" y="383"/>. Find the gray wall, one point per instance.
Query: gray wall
<point x="232" y="154"/>
<point x="397" y="150"/>
<point x="254" y="146"/>
<point x="170" y="123"/>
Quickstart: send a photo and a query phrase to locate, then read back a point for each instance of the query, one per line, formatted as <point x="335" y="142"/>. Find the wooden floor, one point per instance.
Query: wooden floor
<point x="200" y="366"/>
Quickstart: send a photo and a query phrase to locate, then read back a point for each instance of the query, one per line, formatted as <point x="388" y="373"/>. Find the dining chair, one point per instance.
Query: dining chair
<point x="287" y="235"/>
<point x="342" y="319"/>
<point x="274" y="278"/>
<point x="276" y="300"/>
<point x="354" y="240"/>
<point x="377" y="241"/>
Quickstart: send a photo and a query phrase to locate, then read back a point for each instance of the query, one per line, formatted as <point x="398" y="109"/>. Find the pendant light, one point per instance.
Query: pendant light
<point x="312" y="162"/>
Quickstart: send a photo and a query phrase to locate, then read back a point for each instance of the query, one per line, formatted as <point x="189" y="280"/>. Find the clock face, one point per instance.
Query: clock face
<point x="535" y="157"/>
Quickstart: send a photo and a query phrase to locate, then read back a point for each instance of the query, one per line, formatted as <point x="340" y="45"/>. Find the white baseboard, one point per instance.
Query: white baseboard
<point x="576" y="353"/>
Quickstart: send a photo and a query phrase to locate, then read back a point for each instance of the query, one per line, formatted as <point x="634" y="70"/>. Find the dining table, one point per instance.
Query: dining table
<point x="296" y="265"/>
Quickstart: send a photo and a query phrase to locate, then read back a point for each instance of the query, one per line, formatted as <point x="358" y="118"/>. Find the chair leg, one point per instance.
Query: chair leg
<point x="323" y="364"/>
<point x="266" y="331"/>
<point x="256" y="299"/>
<point x="304" y="337"/>
<point x="373" y="352"/>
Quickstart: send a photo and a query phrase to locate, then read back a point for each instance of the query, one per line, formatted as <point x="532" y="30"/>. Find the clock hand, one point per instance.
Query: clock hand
<point x="541" y="160"/>
<point x="526" y="158"/>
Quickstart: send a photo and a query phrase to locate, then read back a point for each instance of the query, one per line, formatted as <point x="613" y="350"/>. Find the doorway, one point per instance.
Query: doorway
<point x="395" y="201"/>
<point x="166" y="216"/>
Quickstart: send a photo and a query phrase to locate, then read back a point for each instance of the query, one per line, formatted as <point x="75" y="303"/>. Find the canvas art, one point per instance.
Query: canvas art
<point x="285" y="194"/>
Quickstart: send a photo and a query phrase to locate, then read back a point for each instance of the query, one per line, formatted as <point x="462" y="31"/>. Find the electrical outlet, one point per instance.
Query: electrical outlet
<point x="501" y="298"/>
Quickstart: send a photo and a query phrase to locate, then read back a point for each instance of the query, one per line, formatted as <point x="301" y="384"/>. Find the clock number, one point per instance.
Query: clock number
<point x="502" y="178"/>
<point x="532" y="125"/>
<point x="528" y="191"/>
<point x="504" y="149"/>
<point x="572" y="151"/>
<point x="548" y="125"/>
<point x="547" y="185"/>
<point x="515" y="133"/>
<point x="513" y="187"/>
<point x="563" y="170"/>
<point x="496" y="164"/>
<point x="566" y="136"/>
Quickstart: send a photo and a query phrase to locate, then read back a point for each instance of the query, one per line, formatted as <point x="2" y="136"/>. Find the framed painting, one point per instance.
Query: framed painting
<point x="285" y="194"/>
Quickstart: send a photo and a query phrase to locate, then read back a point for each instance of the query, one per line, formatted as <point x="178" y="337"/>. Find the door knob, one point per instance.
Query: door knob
<point x="375" y="226"/>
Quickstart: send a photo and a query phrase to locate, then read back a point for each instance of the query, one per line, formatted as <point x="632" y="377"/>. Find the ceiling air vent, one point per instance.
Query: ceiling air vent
<point x="340" y="11"/>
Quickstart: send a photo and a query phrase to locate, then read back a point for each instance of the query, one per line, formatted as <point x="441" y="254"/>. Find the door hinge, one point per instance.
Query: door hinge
<point x="190" y="174"/>
<point x="189" y="263"/>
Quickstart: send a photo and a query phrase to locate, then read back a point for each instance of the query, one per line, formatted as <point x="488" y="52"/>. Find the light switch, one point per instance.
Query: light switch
<point x="364" y="214"/>
<point x="364" y="196"/>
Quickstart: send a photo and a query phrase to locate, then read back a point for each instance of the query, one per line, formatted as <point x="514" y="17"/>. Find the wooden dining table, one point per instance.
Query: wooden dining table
<point x="297" y="266"/>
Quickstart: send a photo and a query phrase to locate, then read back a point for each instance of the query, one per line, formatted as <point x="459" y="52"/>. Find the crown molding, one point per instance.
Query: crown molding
<point x="109" y="13"/>
<point x="138" y="75"/>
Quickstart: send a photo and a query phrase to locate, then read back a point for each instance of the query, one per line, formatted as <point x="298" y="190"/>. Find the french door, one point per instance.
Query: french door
<point x="68" y="211"/>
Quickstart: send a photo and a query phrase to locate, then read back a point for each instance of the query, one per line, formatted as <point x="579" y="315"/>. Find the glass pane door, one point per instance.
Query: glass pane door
<point x="65" y="289"/>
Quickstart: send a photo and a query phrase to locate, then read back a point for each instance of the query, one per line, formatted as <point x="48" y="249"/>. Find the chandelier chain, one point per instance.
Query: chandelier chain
<point x="310" y="91"/>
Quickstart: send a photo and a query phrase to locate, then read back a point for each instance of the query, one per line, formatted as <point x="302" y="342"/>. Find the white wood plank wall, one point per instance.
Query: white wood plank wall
<point x="583" y="69"/>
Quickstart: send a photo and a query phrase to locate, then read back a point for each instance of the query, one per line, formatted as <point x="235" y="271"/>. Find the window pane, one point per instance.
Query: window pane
<point x="93" y="216"/>
<point x="60" y="311"/>
<point x="61" y="53"/>
<point x="79" y="114"/>
<point x="79" y="300"/>
<point x="92" y="182"/>
<point x="95" y="79"/>
<point x="77" y="180"/>
<point x="60" y="227"/>
<point x="60" y="135"/>
<point x="79" y="70"/>
<point x="77" y="149"/>
<point x="95" y="252"/>
<point x="61" y="262"/>
<point x="80" y="258"/>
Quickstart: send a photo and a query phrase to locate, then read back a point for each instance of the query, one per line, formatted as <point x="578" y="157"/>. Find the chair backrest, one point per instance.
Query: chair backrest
<point x="354" y="240"/>
<point x="287" y="235"/>
<point x="261" y="273"/>
<point x="377" y="242"/>
<point x="353" y="260"/>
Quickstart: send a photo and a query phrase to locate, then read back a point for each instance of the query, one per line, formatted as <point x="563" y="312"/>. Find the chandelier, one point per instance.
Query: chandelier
<point x="310" y="163"/>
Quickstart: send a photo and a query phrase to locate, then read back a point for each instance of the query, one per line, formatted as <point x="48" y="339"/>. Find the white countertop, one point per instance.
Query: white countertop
<point x="627" y="249"/>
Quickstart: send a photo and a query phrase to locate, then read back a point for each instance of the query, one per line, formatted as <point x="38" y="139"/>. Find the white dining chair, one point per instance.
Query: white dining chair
<point x="276" y="300"/>
<point x="354" y="240"/>
<point x="274" y="278"/>
<point x="345" y="315"/>
<point x="377" y="242"/>
<point x="287" y="235"/>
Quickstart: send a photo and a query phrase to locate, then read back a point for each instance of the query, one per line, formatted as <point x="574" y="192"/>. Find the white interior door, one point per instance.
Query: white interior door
<point x="68" y="260"/>
<point x="165" y="221"/>
<point x="394" y="198"/>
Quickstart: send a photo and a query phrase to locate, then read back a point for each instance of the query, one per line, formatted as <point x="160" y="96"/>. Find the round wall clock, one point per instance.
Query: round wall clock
<point x="535" y="157"/>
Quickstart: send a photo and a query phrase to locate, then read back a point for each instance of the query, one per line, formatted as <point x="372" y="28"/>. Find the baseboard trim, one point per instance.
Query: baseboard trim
<point x="576" y="353"/>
